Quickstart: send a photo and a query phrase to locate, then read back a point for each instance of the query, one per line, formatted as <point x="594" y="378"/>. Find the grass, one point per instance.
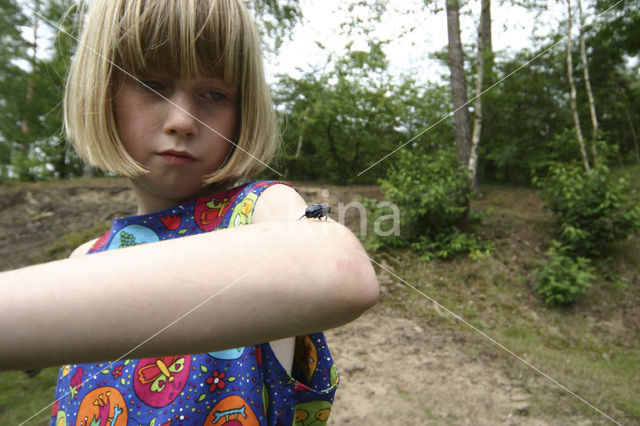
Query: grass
<point x="22" y="397"/>
<point x="61" y="248"/>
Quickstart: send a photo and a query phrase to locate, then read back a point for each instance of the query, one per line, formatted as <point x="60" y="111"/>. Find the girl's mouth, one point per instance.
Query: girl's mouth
<point x="174" y="157"/>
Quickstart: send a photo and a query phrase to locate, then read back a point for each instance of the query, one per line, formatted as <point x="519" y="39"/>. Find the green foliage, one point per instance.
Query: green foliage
<point x="614" y="78"/>
<point x="32" y="145"/>
<point x="339" y="122"/>
<point x="562" y="279"/>
<point x="592" y="211"/>
<point x="523" y="116"/>
<point x="432" y="195"/>
<point x="26" y="167"/>
<point x="526" y="117"/>
<point x="275" y="19"/>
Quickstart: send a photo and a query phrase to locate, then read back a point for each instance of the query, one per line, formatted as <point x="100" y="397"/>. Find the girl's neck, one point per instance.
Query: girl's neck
<point x="148" y="203"/>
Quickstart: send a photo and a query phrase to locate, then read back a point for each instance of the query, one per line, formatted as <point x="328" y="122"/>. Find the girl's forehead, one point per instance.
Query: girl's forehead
<point x="203" y="74"/>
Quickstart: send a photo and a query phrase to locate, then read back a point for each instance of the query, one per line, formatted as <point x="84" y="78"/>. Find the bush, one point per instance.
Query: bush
<point x="432" y="194"/>
<point x="561" y="279"/>
<point x="592" y="211"/>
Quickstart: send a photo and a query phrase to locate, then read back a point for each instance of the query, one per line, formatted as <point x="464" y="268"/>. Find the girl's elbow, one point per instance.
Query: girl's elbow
<point x="358" y="276"/>
<point x="367" y="287"/>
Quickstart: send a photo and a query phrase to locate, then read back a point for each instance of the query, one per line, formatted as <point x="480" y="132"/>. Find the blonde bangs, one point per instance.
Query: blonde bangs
<point x="183" y="38"/>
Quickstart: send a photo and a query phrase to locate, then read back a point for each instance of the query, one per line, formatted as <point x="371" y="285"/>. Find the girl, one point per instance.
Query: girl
<point x="172" y="95"/>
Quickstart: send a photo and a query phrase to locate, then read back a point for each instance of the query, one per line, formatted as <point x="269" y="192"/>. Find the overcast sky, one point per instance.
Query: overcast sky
<point x="512" y="29"/>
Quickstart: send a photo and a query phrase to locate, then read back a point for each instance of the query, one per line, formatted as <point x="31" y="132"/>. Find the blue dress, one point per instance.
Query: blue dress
<point x="238" y="386"/>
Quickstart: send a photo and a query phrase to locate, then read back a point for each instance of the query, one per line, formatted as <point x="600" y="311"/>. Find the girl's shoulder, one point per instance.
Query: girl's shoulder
<point x="279" y="202"/>
<point x="82" y="249"/>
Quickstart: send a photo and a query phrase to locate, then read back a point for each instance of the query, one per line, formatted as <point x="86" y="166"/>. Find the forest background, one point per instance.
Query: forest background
<point x="559" y="118"/>
<point x="527" y="121"/>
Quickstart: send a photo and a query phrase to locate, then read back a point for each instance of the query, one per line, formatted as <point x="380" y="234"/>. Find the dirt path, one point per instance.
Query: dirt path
<point x="396" y="371"/>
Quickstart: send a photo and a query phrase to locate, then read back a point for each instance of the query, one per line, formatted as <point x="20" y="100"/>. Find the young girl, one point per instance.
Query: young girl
<point x="172" y="94"/>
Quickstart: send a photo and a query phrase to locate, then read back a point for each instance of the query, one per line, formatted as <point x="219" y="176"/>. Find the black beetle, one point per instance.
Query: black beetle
<point x="317" y="211"/>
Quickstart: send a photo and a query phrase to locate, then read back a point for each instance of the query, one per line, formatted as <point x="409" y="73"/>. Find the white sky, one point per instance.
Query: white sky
<point x="512" y="29"/>
<point x="408" y="52"/>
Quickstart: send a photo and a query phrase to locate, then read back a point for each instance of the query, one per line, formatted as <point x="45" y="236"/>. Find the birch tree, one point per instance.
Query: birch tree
<point x="587" y="84"/>
<point x="483" y="55"/>
<point x="572" y="89"/>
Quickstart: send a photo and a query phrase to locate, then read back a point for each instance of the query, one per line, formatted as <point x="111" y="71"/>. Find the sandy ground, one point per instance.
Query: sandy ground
<point x="397" y="371"/>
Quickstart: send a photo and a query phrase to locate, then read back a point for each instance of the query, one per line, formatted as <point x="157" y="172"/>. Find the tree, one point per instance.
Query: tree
<point x="64" y="159"/>
<point x="524" y="128"/>
<point x="484" y="63"/>
<point x="31" y="94"/>
<point x="587" y="85"/>
<point x="458" y="83"/>
<point x="12" y="49"/>
<point x="276" y="19"/>
<point x="572" y="91"/>
<point x="339" y="121"/>
<point x="613" y="39"/>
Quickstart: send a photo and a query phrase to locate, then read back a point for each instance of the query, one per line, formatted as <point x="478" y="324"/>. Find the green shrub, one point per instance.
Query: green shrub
<point x="592" y="211"/>
<point x="561" y="279"/>
<point x="432" y="194"/>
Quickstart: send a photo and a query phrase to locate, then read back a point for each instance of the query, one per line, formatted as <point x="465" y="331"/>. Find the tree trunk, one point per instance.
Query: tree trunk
<point x="24" y="123"/>
<point x="299" y="148"/>
<point x="634" y="135"/>
<point x="342" y="170"/>
<point x="484" y="50"/>
<point x="487" y="43"/>
<point x="572" y="87"/>
<point x="587" y="84"/>
<point x="458" y="84"/>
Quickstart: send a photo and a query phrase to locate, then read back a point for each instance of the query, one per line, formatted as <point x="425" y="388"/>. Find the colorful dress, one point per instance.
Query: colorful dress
<point x="238" y="386"/>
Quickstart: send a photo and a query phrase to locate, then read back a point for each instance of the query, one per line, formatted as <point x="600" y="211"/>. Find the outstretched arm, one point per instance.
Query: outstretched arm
<point x="260" y="279"/>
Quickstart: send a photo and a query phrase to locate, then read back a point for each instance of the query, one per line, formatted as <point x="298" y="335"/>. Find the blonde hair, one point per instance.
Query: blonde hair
<point x="184" y="38"/>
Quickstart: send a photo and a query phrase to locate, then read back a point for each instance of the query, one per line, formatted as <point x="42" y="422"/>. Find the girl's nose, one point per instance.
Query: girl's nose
<point x="181" y="119"/>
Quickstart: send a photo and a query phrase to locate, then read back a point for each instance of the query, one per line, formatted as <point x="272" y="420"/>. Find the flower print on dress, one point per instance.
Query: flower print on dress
<point x="117" y="371"/>
<point x="216" y="381"/>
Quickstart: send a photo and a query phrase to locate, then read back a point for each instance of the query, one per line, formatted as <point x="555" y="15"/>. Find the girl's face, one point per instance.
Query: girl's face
<point x="170" y="133"/>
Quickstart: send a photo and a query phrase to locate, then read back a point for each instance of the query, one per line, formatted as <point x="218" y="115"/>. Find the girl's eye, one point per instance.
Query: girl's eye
<point x="215" y="96"/>
<point x="151" y="85"/>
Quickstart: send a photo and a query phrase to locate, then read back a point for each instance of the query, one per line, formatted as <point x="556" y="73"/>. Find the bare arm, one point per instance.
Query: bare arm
<point x="99" y="307"/>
